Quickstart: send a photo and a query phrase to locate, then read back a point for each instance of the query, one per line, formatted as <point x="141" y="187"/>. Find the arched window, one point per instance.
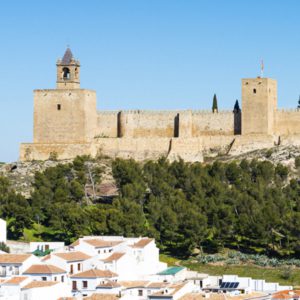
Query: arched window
<point x="66" y="73"/>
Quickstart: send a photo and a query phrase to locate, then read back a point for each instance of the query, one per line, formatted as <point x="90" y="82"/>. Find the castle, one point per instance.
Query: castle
<point x="67" y="123"/>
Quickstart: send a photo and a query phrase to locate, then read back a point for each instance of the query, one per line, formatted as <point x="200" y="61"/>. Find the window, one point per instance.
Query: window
<point x="74" y="285"/>
<point x="71" y="269"/>
<point x="254" y="91"/>
<point x="44" y="278"/>
<point x="140" y="292"/>
<point x="84" y="284"/>
<point x="55" y="278"/>
<point x="62" y="279"/>
<point x="58" y="106"/>
<point x="78" y="267"/>
<point x="99" y="251"/>
<point x="66" y="73"/>
<point x="16" y="270"/>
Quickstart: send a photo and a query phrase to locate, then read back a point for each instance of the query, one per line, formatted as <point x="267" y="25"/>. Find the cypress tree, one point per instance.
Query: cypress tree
<point x="215" y="104"/>
<point x="236" y="107"/>
<point x="298" y="103"/>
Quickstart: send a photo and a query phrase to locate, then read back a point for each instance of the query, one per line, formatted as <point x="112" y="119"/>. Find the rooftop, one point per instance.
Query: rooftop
<point x="44" y="269"/>
<point x="13" y="258"/>
<point x="39" y="284"/>
<point x="73" y="256"/>
<point x="95" y="273"/>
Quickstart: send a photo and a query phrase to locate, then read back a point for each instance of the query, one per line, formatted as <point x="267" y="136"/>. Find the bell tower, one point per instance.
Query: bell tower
<point x="68" y="72"/>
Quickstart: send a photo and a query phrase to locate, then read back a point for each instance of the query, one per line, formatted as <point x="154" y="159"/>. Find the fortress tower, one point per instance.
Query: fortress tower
<point x="259" y="104"/>
<point x="66" y="114"/>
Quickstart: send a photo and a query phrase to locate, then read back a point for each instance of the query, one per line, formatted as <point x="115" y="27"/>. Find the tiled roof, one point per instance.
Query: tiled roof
<point x="109" y="284"/>
<point x="44" y="269"/>
<point x="286" y="294"/>
<point x="95" y="273"/>
<point x="98" y="243"/>
<point x="102" y="297"/>
<point x="15" y="280"/>
<point x="13" y="258"/>
<point x="73" y="256"/>
<point x="114" y="256"/>
<point x="142" y="243"/>
<point x="39" y="284"/>
<point x="157" y="285"/>
<point x="67" y="57"/>
<point x="134" y="284"/>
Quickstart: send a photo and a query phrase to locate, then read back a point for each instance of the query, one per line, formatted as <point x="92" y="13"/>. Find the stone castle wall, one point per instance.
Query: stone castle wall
<point x="146" y="124"/>
<point x="287" y="122"/>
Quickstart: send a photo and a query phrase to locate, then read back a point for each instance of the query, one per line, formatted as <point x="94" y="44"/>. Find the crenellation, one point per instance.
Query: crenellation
<point x="66" y="121"/>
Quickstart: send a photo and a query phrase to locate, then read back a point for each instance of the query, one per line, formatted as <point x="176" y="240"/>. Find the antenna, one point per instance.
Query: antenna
<point x="262" y="68"/>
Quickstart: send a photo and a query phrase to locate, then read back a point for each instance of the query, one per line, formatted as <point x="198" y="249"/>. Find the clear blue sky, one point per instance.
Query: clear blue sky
<point x="138" y="54"/>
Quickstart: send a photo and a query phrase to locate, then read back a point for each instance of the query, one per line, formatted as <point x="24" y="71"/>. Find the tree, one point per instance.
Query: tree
<point x="236" y="106"/>
<point x="215" y="104"/>
<point x="298" y="103"/>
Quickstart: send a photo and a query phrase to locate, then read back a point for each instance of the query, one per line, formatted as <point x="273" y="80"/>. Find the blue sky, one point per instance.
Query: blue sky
<point x="139" y="54"/>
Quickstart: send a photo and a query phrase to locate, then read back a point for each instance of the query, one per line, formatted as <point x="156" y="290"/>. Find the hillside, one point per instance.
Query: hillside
<point x="250" y="202"/>
<point x="21" y="174"/>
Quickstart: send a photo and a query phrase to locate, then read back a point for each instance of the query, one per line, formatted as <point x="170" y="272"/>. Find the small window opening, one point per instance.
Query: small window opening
<point x="254" y="91"/>
<point x="66" y="73"/>
<point x="58" y="106"/>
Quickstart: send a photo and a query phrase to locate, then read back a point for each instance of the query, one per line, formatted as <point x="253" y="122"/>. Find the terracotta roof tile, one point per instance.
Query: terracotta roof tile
<point x="113" y="257"/>
<point x="287" y="294"/>
<point x="102" y="297"/>
<point x="95" y="273"/>
<point x="134" y="284"/>
<point x="142" y="243"/>
<point x="13" y="258"/>
<point x="16" y="280"/>
<point x="73" y="256"/>
<point x="98" y="243"/>
<point x="44" y="269"/>
<point x="109" y="284"/>
<point x="39" y="284"/>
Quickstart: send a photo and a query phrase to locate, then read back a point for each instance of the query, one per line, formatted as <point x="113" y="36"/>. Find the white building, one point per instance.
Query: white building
<point x="16" y="264"/>
<point x="87" y="282"/>
<point x="2" y="231"/>
<point x="46" y="273"/>
<point x="45" y="290"/>
<point x="73" y="262"/>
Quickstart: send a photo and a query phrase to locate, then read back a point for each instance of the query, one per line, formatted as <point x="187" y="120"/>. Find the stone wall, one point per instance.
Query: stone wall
<point x="146" y="124"/>
<point x="107" y="124"/>
<point x="64" y="116"/>
<point x="206" y="123"/>
<point x="287" y="122"/>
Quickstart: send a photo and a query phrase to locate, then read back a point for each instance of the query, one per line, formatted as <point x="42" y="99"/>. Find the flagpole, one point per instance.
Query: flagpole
<point x="262" y="69"/>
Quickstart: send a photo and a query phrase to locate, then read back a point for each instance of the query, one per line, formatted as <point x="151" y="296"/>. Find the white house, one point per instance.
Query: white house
<point x="97" y="246"/>
<point x="45" y="290"/>
<point x="73" y="262"/>
<point x="2" y="231"/>
<point x="87" y="282"/>
<point x="146" y="255"/>
<point x="46" y="273"/>
<point x="10" y="289"/>
<point x="15" y="264"/>
<point x="173" y="291"/>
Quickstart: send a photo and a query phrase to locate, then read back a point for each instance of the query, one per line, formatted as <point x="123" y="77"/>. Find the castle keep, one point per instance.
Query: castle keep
<point x="67" y="123"/>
